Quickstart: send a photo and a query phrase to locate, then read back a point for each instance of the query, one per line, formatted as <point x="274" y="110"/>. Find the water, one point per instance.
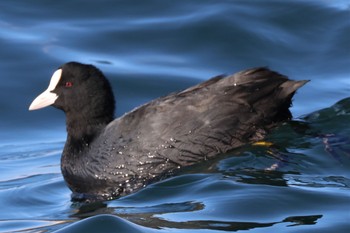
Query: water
<point x="149" y="49"/>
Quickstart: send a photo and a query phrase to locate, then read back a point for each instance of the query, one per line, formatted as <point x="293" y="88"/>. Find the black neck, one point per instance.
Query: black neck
<point x="82" y="131"/>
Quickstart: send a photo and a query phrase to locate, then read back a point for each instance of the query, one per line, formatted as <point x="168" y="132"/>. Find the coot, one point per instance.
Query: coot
<point x="105" y="158"/>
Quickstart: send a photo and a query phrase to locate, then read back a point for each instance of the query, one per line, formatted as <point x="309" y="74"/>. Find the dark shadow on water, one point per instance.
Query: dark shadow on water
<point x="148" y="217"/>
<point x="228" y="226"/>
<point x="91" y="209"/>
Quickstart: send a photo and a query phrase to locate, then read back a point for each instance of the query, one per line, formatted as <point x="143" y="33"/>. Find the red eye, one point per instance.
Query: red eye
<point x="69" y="84"/>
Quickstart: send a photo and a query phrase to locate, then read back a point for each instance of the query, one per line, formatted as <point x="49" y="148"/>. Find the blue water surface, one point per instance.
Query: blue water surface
<point x="148" y="49"/>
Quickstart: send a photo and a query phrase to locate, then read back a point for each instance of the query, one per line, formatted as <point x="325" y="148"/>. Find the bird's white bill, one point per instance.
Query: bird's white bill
<point x="43" y="100"/>
<point x="47" y="97"/>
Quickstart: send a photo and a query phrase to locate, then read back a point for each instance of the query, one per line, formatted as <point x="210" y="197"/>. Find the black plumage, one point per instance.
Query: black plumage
<point x="105" y="158"/>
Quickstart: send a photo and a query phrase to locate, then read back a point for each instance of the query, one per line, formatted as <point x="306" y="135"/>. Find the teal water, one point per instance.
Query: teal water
<point x="150" y="48"/>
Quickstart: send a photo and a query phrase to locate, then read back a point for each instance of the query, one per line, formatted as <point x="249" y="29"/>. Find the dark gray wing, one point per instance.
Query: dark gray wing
<point x="197" y="124"/>
<point x="210" y="118"/>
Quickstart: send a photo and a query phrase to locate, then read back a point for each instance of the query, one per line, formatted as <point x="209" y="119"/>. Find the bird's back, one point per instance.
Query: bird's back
<point x="198" y="123"/>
